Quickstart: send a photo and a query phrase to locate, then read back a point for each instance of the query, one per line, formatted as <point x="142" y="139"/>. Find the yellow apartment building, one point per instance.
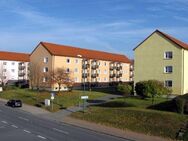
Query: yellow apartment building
<point x="91" y="67"/>
<point x="164" y="58"/>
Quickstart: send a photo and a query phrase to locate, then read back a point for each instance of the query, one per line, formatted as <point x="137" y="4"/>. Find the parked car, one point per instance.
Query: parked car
<point x="14" y="103"/>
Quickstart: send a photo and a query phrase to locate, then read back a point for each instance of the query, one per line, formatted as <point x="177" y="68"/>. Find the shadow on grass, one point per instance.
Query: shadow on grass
<point x="169" y="106"/>
<point x="111" y="90"/>
<point x="95" y="101"/>
<point x="116" y="104"/>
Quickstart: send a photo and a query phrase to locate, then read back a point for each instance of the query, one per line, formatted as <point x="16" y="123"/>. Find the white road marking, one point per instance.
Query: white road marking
<point x="26" y="131"/>
<point x="14" y="126"/>
<point x="41" y="137"/>
<point x="4" y="122"/>
<point x="23" y="118"/>
<point x="61" y="131"/>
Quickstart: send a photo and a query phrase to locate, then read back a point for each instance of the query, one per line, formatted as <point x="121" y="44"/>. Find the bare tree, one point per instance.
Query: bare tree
<point x="61" y="77"/>
<point x="35" y="76"/>
<point x="1" y="73"/>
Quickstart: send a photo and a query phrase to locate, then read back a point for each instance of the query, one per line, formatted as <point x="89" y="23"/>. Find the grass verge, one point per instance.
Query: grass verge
<point x="133" y="114"/>
<point x="61" y="101"/>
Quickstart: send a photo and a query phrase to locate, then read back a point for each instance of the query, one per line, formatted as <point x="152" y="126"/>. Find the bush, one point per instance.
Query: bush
<point x="151" y="88"/>
<point x="124" y="89"/>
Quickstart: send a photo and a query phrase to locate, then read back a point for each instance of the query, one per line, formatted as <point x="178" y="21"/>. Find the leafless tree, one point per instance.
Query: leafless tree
<point x="35" y="76"/>
<point x="61" y="77"/>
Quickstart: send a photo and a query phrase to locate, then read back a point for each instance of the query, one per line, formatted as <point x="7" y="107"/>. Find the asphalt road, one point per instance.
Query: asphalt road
<point x="17" y="125"/>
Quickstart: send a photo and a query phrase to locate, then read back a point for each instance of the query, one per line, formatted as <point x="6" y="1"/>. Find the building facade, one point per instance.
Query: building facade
<point x="13" y="67"/>
<point x="164" y="58"/>
<point x="87" y="67"/>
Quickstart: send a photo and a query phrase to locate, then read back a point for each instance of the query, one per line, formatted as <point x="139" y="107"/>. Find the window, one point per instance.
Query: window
<point x="104" y="63"/>
<point x="4" y="70"/>
<point x="68" y="70"/>
<point x="76" y="61"/>
<point x="45" y="69"/>
<point x="168" y="69"/>
<point x="4" y="77"/>
<point x="44" y="79"/>
<point x="4" y="63"/>
<point x="105" y="71"/>
<point x="168" y="55"/>
<point x="12" y="70"/>
<point x="76" y="70"/>
<point x="68" y="60"/>
<point x="45" y="59"/>
<point x="168" y="83"/>
<point x="99" y="71"/>
<point x="105" y="79"/>
<point x="13" y="63"/>
<point x="99" y="79"/>
<point x="75" y="79"/>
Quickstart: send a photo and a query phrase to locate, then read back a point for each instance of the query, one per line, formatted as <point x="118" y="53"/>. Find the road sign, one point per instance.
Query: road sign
<point x="84" y="97"/>
<point x="52" y="96"/>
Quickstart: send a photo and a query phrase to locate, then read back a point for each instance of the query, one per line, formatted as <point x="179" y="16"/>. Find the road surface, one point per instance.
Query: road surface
<point x="18" y="125"/>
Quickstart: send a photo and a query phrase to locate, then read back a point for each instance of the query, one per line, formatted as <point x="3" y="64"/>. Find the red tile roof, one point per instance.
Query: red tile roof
<point x="14" y="56"/>
<point x="176" y="41"/>
<point x="62" y="50"/>
<point x="172" y="39"/>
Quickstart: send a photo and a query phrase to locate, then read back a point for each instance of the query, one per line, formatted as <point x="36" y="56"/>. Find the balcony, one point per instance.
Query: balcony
<point x="95" y="66"/>
<point x="118" y="68"/>
<point x="112" y="75"/>
<point x="93" y="80"/>
<point x="85" y="80"/>
<point x="94" y="75"/>
<point x="85" y="66"/>
<point x="21" y="74"/>
<point x="85" y="75"/>
<point x="21" y="67"/>
<point x="119" y="75"/>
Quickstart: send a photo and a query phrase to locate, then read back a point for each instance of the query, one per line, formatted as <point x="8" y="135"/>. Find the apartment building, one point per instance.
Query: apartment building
<point x="13" y="67"/>
<point x="89" y="67"/>
<point x="164" y="58"/>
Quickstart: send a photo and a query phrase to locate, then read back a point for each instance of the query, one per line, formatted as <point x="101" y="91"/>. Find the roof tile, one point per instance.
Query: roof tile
<point x="62" y="50"/>
<point x="14" y="56"/>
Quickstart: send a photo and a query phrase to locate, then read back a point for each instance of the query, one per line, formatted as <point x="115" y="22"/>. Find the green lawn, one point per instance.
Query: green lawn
<point x="63" y="100"/>
<point x="135" y="116"/>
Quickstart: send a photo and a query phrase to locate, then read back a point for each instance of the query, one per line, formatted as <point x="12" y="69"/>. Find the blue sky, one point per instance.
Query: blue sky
<point x="108" y="25"/>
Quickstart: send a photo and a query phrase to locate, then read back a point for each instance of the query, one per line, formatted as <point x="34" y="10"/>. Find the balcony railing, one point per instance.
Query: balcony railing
<point x="85" y="75"/>
<point x="119" y="75"/>
<point x="94" y="75"/>
<point x="21" y="74"/>
<point x="85" y="66"/>
<point x="118" y="68"/>
<point x="112" y="75"/>
<point x="95" y="66"/>
<point x="21" y="67"/>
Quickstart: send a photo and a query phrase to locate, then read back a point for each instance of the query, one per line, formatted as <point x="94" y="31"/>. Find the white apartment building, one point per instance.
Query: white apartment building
<point x="13" y="67"/>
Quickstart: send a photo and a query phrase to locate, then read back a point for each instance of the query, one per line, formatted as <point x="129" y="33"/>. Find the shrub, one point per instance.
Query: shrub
<point x="124" y="89"/>
<point x="151" y="88"/>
